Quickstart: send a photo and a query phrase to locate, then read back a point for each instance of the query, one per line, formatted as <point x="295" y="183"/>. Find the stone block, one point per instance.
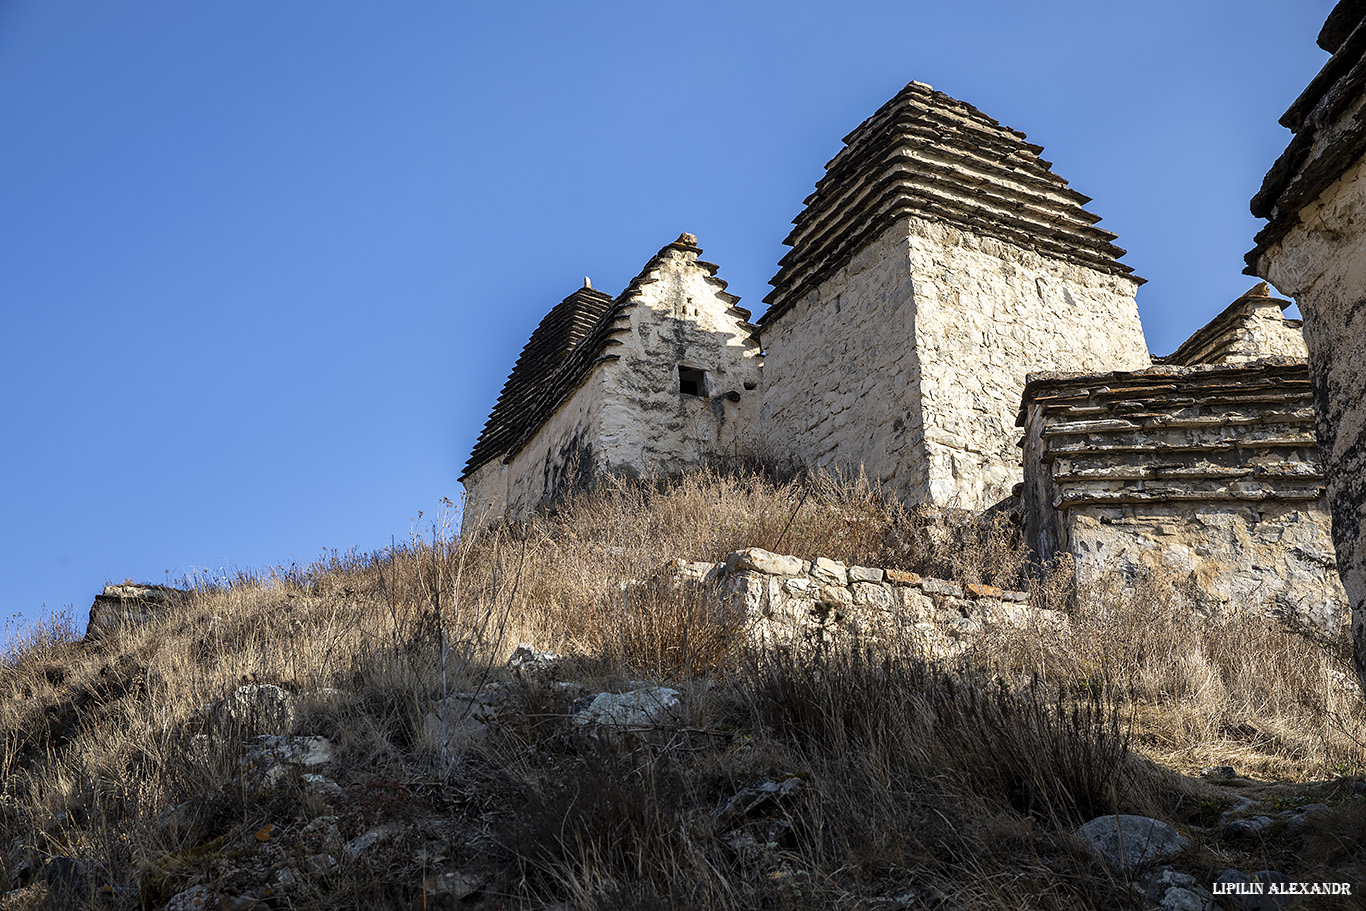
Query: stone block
<point x="872" y="594"/>
<point x="975" y="590"/>
<point x="901" y="577"/>
<point x="829" y="571"/>
<point x="756" y="559"/>
<point x="835" y="596"/>
<point x="941" y="587"/>
<point x="864" y="574"/>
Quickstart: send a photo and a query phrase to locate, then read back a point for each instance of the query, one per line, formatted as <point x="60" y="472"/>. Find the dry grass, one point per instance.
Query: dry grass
<point x="920" y="785"/>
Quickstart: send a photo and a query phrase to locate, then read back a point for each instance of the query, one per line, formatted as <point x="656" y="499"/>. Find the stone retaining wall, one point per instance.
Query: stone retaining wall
<point x="786" y="599"/>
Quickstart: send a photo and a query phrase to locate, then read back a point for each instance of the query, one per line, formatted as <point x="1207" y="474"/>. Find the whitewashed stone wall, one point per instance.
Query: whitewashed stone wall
<point x="1321" y="263"/>
<point x="680" y="315"/>
<point x="629" y="416"/>
<point x="909" y="361"/>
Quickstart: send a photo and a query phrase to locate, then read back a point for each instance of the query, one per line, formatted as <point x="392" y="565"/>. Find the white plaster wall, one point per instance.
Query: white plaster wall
<point x="566" y="446"/>
<point x="630" y="416"/>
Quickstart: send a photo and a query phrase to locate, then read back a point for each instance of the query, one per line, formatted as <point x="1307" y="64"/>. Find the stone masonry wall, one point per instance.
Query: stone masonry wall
<point x="1209" y="472"/>
<point x="1321" y="263"/>
<point x="909" y="360"/>
<point x="787" y="600"/>
<point x="988" y="313"/>
<point x="629" y="415"/>
<point x="680" y="316"/>
<point x="1314" y="249"/>
<point x="563" y="452"/>
<point x="841" y="373"/>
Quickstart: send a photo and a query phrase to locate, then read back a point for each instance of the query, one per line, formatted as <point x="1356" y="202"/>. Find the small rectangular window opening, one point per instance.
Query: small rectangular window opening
<point x="692" y="381"/>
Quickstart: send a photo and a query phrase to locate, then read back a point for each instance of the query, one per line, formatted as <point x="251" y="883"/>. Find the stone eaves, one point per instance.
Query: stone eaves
<point x="573" y="339"/>
<point x="927" y="155"/>
<point x="1329" y="123"/>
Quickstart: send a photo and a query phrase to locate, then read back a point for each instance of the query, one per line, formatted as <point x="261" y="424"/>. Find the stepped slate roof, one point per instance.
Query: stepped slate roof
<point x="1193" y="429"/>
<point x="575" y="336"/>
<point x="1330" y="136"/>
<point x="931" y="156"/>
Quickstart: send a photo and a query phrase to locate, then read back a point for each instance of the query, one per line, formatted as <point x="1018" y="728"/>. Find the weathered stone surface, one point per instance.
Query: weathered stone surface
<point x="637" y="708"/>
<point x="831" y="571"/>
<point x="949" y="294"/>
<point x="465" y="718"/>
<point x="1172" y="890"/>
<point x="872" y="595"/>
<point x="864" y="574"/>
<point x="610" y="397"/>
<point x="901" y="577"/>
<point x="1250" y="328"/>
<point x="975" y="590"/>
<point x="128" y="604"/>
<point x="762" y="561"/>
<point x="1208" y="473"/>
<point x="527" y="660"/>
<point x="254" y="708"/>
<point x="269" y="760"/>
<point x="1314" y="249"/>
<point x="941" y="587"/>
<point x="1129" y="845"/>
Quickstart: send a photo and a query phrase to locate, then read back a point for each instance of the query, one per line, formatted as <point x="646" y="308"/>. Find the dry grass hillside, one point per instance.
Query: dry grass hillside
<point x="297" y="738"/>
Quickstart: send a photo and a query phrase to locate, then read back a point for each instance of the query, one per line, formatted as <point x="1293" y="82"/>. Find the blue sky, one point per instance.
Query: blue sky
<point x="265" y="266"/>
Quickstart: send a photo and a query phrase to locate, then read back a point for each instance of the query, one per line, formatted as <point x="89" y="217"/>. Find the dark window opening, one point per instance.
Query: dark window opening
<point x="692" y="381"/>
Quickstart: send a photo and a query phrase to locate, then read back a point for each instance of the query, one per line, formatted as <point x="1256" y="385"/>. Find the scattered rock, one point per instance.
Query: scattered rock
<point x="252" y="709"/>
<point x="527" y="660"/>
<point x="442" y="889"/>
<point x="637" y="708"/>
<point x="1172" y="890"/>
<point x="1246" y="828"/>
<point x="362" y="843"/>
<point x="269" y="759"/>
<point x="129" y="605"/>
<point x="195" y="898"/>
<point x="756" y="799"/>
<point x="1129" y="844"/>
<point x="466" y="717"/>
<point x="1219" y="772"/>
<point x="1301" y="818"/>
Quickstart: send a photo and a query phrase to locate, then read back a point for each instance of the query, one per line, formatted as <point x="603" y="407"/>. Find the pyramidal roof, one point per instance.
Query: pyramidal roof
<point x="575" y="336"/>
<point x="933" y="157"/>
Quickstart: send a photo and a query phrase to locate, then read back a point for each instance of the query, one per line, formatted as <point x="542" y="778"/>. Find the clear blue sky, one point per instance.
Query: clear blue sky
<point x="265" y="266"/>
